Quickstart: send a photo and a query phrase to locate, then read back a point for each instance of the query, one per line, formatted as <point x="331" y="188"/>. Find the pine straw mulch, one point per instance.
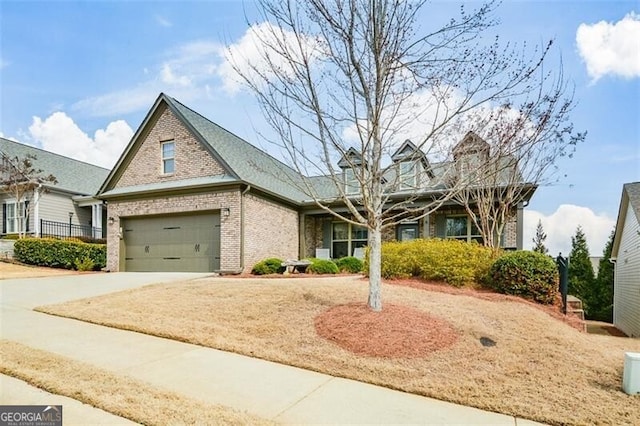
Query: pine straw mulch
<point x="554" y="310"/>
<point x="395" y="332"/>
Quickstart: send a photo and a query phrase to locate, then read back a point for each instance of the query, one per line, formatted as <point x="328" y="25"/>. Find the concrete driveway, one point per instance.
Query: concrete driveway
<point x="32" y="292"/>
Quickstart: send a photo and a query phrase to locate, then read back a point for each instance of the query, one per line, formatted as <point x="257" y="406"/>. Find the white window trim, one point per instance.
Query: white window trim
<point x="13" y="229"/>
<point x="164" y="159"/>
<point x="408" y="182"/>
<point x="350" y="182"/>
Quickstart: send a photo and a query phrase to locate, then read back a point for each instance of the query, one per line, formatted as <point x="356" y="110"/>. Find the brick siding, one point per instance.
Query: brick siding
<point x="271" y="230"/>
<point x="192" y="159"/>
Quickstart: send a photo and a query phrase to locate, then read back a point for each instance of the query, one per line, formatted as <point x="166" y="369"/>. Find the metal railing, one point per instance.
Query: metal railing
<point x="63" y="230"/>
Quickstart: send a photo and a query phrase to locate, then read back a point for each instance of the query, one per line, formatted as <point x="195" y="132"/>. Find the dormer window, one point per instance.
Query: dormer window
<point x="408" y="175"/>
<point x="350" y="182"/>
<point x="412" y="168"/>
<point x="168" y="157"/>
<point x="350" y="163"/>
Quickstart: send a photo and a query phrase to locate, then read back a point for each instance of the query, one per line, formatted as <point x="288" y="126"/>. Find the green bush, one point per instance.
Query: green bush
<point x="92" y="240"/>
<point x="455" y="262"/>
<point x="349" y="264"/>
<point x="527" y="274"/>
<point x="322" y="266"/>
<point x="11" y="237"/>
<point x="85" y="264"/>
<point x="272" y="265"/>
<point x="59" y="253"/>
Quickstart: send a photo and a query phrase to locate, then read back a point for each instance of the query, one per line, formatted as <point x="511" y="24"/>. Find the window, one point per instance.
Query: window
<point x="407" y="231"/>
<point x="462" y="228"/>
<point x="350" y="182"/>
<point x="14" y="219"/>
<point x="168" y="157"/>
<point x="408" y="175"/>
<point x="347" y="237"/>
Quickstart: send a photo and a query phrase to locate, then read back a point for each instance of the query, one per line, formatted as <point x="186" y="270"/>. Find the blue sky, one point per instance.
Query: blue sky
<point x="78" y="78"/>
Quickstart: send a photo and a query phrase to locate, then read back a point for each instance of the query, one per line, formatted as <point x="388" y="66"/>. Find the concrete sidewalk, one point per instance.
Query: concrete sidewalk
<point x="273" y="391"/>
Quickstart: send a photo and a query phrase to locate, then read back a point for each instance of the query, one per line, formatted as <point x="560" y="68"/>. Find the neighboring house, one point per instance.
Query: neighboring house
<point x="187" y="195"/>
<point x="626" y="255"/>
<point x="66" y="208"/>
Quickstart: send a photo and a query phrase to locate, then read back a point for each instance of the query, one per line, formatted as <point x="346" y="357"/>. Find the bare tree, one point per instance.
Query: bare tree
<point x="519" y="152"/>
<point x="20" y="179"/>
<point x="341" y="81"/>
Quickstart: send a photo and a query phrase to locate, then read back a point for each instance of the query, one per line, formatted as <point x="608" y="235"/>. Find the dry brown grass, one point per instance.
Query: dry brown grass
<point x="125" y="397"/>
<point x="10" y="270"/>
<point x="540" y="368"/>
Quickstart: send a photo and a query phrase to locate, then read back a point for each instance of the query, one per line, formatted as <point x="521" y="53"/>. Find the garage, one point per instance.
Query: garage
<point x="178" y="243"/>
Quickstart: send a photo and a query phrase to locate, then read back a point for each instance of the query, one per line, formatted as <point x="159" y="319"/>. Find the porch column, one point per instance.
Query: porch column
<point x="96" y="218"/>
<point x="520" y="226"/>
<point x="36" y="212"/>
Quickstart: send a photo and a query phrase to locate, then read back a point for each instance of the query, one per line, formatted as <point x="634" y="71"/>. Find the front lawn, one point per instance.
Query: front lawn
<point x="500" y="355"/>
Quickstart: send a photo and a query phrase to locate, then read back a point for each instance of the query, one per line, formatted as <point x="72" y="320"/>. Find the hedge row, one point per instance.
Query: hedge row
<point x="66" y="254"/>
<point x="455" y="262"/>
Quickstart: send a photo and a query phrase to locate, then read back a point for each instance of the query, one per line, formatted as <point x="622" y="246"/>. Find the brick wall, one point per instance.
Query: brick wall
<point x="192" y="159"/>
<point x="229" y="226"/>
<point x="271" y="230"/>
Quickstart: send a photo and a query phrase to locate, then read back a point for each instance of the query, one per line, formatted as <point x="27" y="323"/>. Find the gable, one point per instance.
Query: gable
<point x="142" y="164"/>
<point x="471" y="144"/>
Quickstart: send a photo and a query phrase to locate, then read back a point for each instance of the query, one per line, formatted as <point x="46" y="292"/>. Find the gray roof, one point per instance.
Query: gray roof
<point x="247" y="162"/>
<point x="633" y="192"/>
<point x="73" y="176"/>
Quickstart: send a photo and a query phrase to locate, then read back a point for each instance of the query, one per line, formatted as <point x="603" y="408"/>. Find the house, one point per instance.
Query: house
<point x="66" y="208"/>
<point x="187" y="195"/>
<point x="626" y="255"/>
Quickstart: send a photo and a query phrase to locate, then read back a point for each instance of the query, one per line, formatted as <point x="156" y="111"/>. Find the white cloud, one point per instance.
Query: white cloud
<point x="184" y="74"/>
<point x="561" y="225"/>
<point x="254" y="59"/>
<point x="610" y="48"/>
<point x="3" y="63"/>
<point x="58" y="133"/>
<point x="163" y="22"/>
<point x="169" y="77"/>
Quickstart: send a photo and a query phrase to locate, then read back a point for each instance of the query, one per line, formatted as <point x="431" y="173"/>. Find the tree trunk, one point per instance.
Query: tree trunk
<point x="375" y="263"/>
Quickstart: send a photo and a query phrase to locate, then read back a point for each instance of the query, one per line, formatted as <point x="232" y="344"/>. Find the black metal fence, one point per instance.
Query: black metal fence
<point x="63" y="230"/>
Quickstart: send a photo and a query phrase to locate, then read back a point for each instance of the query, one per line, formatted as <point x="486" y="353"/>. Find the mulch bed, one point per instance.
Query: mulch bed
<point x="395" y="332"/>
<point x="554" y="310"/>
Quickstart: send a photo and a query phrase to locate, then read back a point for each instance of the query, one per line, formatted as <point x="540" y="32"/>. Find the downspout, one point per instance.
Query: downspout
<point x="242" y="194"/>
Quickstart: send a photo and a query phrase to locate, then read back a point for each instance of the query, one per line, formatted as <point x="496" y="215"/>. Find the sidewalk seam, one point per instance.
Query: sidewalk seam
<point x="303" y="398"/>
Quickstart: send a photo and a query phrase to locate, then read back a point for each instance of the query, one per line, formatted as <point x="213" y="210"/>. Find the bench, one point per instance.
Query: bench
<point x="291" y="266"/>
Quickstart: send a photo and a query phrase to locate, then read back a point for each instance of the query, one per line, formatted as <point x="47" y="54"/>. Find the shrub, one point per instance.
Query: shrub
<point x="455" y="262"/>
<point x="85" y="264"/>
<point x="349" y="264"/>
<point x="272" y="265"/>
<point x="92" y="240"/>
<point x="59" y="253"/>
<point x="11" y="237"/>
<point x="527" y="274"/>
<point x="322" y="266"/>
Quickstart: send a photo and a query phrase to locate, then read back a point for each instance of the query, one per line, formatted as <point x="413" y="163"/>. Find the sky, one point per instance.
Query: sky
<point x="78" y="77"/>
